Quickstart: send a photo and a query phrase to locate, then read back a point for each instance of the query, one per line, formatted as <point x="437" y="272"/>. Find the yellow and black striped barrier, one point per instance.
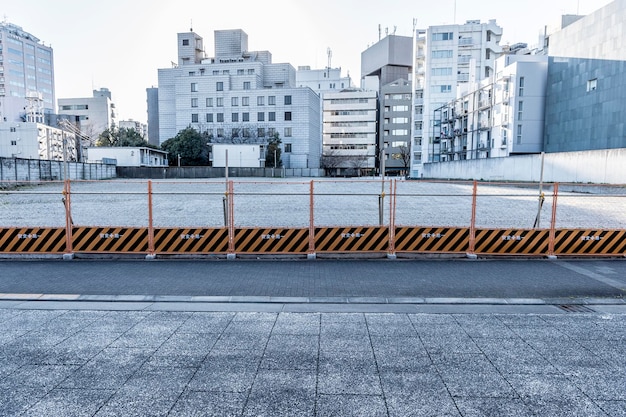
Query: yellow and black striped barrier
<point x="590" y="242"/>
<point x="351" y="239"/>
<point x="275" y="240"/>
<point x="512" y="241"/>
<point x="110" y="240"/>
<point x="432" y="239"/>
<point x="32" y="240"/>
<point x="177" y="241"/>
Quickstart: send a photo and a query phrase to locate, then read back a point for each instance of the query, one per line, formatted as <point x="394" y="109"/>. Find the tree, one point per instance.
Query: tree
<point x="121" y="137"/>
<point x="330" y="161"/>
<point x="405" y="156"/>
<point x="272" y="155"/>
<point x="190" y="145"/>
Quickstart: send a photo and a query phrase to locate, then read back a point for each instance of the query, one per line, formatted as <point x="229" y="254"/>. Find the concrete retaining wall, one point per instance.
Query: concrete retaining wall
<point x="214" y="172"/>
<point x="17" y="170"/>
<point x="599" y="167"/>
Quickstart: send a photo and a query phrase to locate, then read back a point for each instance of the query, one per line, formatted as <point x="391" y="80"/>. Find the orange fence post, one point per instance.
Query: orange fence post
<point x="311" y="253"/>
<point x="150" y="222"/>
<point x="393" y="188"/>
<point x="552" y="235"/>
<point x="472" y="236"/>
<point x="68" y="219"/>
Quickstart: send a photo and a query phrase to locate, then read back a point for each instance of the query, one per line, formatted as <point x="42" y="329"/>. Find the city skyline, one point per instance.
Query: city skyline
<point x="122" y="46"/>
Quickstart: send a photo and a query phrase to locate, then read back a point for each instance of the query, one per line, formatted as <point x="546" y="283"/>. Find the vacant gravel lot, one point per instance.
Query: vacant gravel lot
<point x="286" y="203"/>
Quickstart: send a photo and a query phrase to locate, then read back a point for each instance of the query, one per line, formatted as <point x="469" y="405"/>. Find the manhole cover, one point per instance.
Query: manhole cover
<point x="575" y="308"/>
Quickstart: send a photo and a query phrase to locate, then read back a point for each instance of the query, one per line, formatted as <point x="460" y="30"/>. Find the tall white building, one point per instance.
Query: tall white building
<point x="26" y="68"/>
<point x="454" y="54"/>
<point x="238" y="96"/>
<point x="350" y="132"/>
<point x="93" y="114"/>
<point x="32" y="140"/>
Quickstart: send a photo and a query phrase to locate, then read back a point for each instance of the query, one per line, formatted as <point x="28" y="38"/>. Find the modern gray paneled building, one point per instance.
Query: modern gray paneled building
<point x="238" y="96"/>
<point x="26" y="68"/>
<point x="586" y="89"/>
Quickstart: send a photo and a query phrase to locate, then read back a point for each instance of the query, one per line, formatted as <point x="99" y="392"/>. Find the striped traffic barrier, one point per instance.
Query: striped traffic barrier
<point x="432" y="239"/>
<point x="32" y="240"/>
<point x="110" y="240"/>
<point x="271" y="240"/>
<point x="191" y="240"/>
<point x="512" y="241"/>
<point x="351" y="239"/>
<point x="590" y="242"/>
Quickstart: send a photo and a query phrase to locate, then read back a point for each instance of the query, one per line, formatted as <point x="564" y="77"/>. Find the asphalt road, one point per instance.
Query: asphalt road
<point x="504" y="279"/>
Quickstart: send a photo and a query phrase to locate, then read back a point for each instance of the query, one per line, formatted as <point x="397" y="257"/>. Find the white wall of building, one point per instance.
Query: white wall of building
<point x="36" y="141"/>
<point x="95" y="114"/>
<point x="128" y="156"/>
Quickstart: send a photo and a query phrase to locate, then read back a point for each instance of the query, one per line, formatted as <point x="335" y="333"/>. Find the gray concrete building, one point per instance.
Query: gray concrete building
<point x="93" y="114"/>
<point x="586" y="89"/>
<point x="238" y="96"/>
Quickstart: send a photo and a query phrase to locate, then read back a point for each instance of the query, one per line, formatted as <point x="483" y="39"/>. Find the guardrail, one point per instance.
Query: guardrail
<point x="314" y="218"/>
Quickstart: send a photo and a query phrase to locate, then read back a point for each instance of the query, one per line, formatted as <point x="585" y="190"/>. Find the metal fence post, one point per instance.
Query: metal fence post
<point x="68" y="221"/>
<point x="552" y="238"/>
<point x="472" y="236"/>
<point x="151" y="254"/>
<point x="311" y="254"/>
<point x="231" y="222"/>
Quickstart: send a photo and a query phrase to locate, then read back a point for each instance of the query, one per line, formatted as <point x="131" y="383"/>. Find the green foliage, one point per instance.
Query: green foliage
<point x="191" y="145"/>
<point x="273" y="151"/>
<point x="121" y="137"/>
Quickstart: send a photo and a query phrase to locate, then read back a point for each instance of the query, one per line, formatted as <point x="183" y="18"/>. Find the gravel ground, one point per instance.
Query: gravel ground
<point x="286" y="203"/>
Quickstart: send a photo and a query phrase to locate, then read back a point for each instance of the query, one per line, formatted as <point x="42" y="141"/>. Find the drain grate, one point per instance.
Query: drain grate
<point x="576" y="308"/>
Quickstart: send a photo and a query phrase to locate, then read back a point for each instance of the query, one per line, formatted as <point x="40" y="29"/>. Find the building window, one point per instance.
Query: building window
<point x="194" y="87"/>
<point x="14" y="143"/>
<point x="520" y="110"/>
<point x="226" y="72"/>
<point x="234" y="101"/>
<point x="245" y="117"/>
<point x="219" y="86"/>
<point x="209" y="102"/>
<point x="287" y="147"/>
<point x="444" y="36"/>
<point x="216" y="72"/>
<point x="219" y="101"/>
<point x="194" y="102"/>
<point x="235" y="132"/>
<point x="194" y="118"/>
<point x="446" y="53"/>
<point x="271" y="132"/>
<point x="220" y="132"/>
<point x="260" y="132"/>
<point x="240" y="72"/>
<point x="260" y="116"/>
<point x="287" y="100"/>
<point x="271" y="116"/>
<point x="271" y="100"/>
<point x="441" y="71"/>
<point x="250" y="71"/>
<point x="521" y="87"/>
<point x="287" y="132"/>
<point x="246" y="85"/>
<point x="287" y="116"/>
<point x="209" y="117"/>
<point x="519" y="134"/>
<point x="234" y="117"/>
<point x="185" y="42"/>
<point x="13" y="129"/>
<point x="260" y="101"/>
<point x="504" y="136"/>
<point x="220" y="117"/>
<point x="592" y="84"/>
<point x="245" y="101"/>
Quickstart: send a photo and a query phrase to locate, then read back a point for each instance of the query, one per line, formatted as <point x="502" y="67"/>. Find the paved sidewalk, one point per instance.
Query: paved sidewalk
<point x="82" y="359"/>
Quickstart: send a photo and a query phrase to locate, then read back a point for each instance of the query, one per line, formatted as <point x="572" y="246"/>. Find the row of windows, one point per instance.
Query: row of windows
<point x="234" y="117"/>
<point x="346" y="147"/>
<point x="406" y="96"/>
<point x="250" y="71"/>
<point x="446" y="53"/>
<point x="245" y="101"/>
<point x="245" y="132"/>
<point x="349" y="101"/>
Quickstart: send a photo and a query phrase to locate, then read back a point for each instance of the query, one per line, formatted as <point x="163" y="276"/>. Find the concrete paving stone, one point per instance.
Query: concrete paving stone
<point x="412" y="405"/>
<point x="188" y="343"/>
<point x="255" y="316"/>
<point x="259" y="328"/>
<point x="344" y="328"/>
<point x="613" y="408"/>
<point x="206" y="323"/>
<point x="141" y="339"/>
<point x="401" y="360"/>
<point x="8" y="366"/>
<point x="209" y="404"/>
<point x="342" y="343"/>
<point x="351" y="405"/>
<point x="564" y="407"/>
<point x="298" y="323"/>
<point x="545" y="386"/>
<point x="522" y="320"/>
<point x="491" y="328"/>
<point x="480" y="407"/>
<point x="515" y="357"/>
<point x="70" y="402"/>
<point x="294" y="342"/>
<point x="8" y="336"/>
<point x="137" y="405"/>
<point x="602" y="385"/>
<point x="157" y="382"/>
<point x="425" y="382"/>
<point x="612" y="352"/>
<point x="397" y="328"/>
<point x="462" y="362"/>
<point x="29" y="320"/>
<point x="276" y="403"/>
<point x="227" y="371"/>
<point x="290" y="360"/>
<point x="45" y="377"/>
<point x="14" y="400"/>
<point x="485" y="384"/>
<point x="581" y="364"/>
<point x="437" y="344"/>
<point x="431" y="319"/>
<point x="174" y="361"/>
<point x="355" y="319"/>
<point x="156" y="327"/>
<point x="241" y="341"/>
<point x="348" y="374"/>
<point x="411" y="344"/>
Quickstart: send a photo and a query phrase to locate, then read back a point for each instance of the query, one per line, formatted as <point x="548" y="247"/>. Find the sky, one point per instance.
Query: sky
<point x="121" y="44"/>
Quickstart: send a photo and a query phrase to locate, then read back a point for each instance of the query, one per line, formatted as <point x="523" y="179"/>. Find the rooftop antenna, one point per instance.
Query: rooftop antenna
<point x="379" y="31"/>
<point x="191" y="25"/>
<point x="455" y="12"/>
<point x="394" y="30"/>
<point x="330" y="54"/>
